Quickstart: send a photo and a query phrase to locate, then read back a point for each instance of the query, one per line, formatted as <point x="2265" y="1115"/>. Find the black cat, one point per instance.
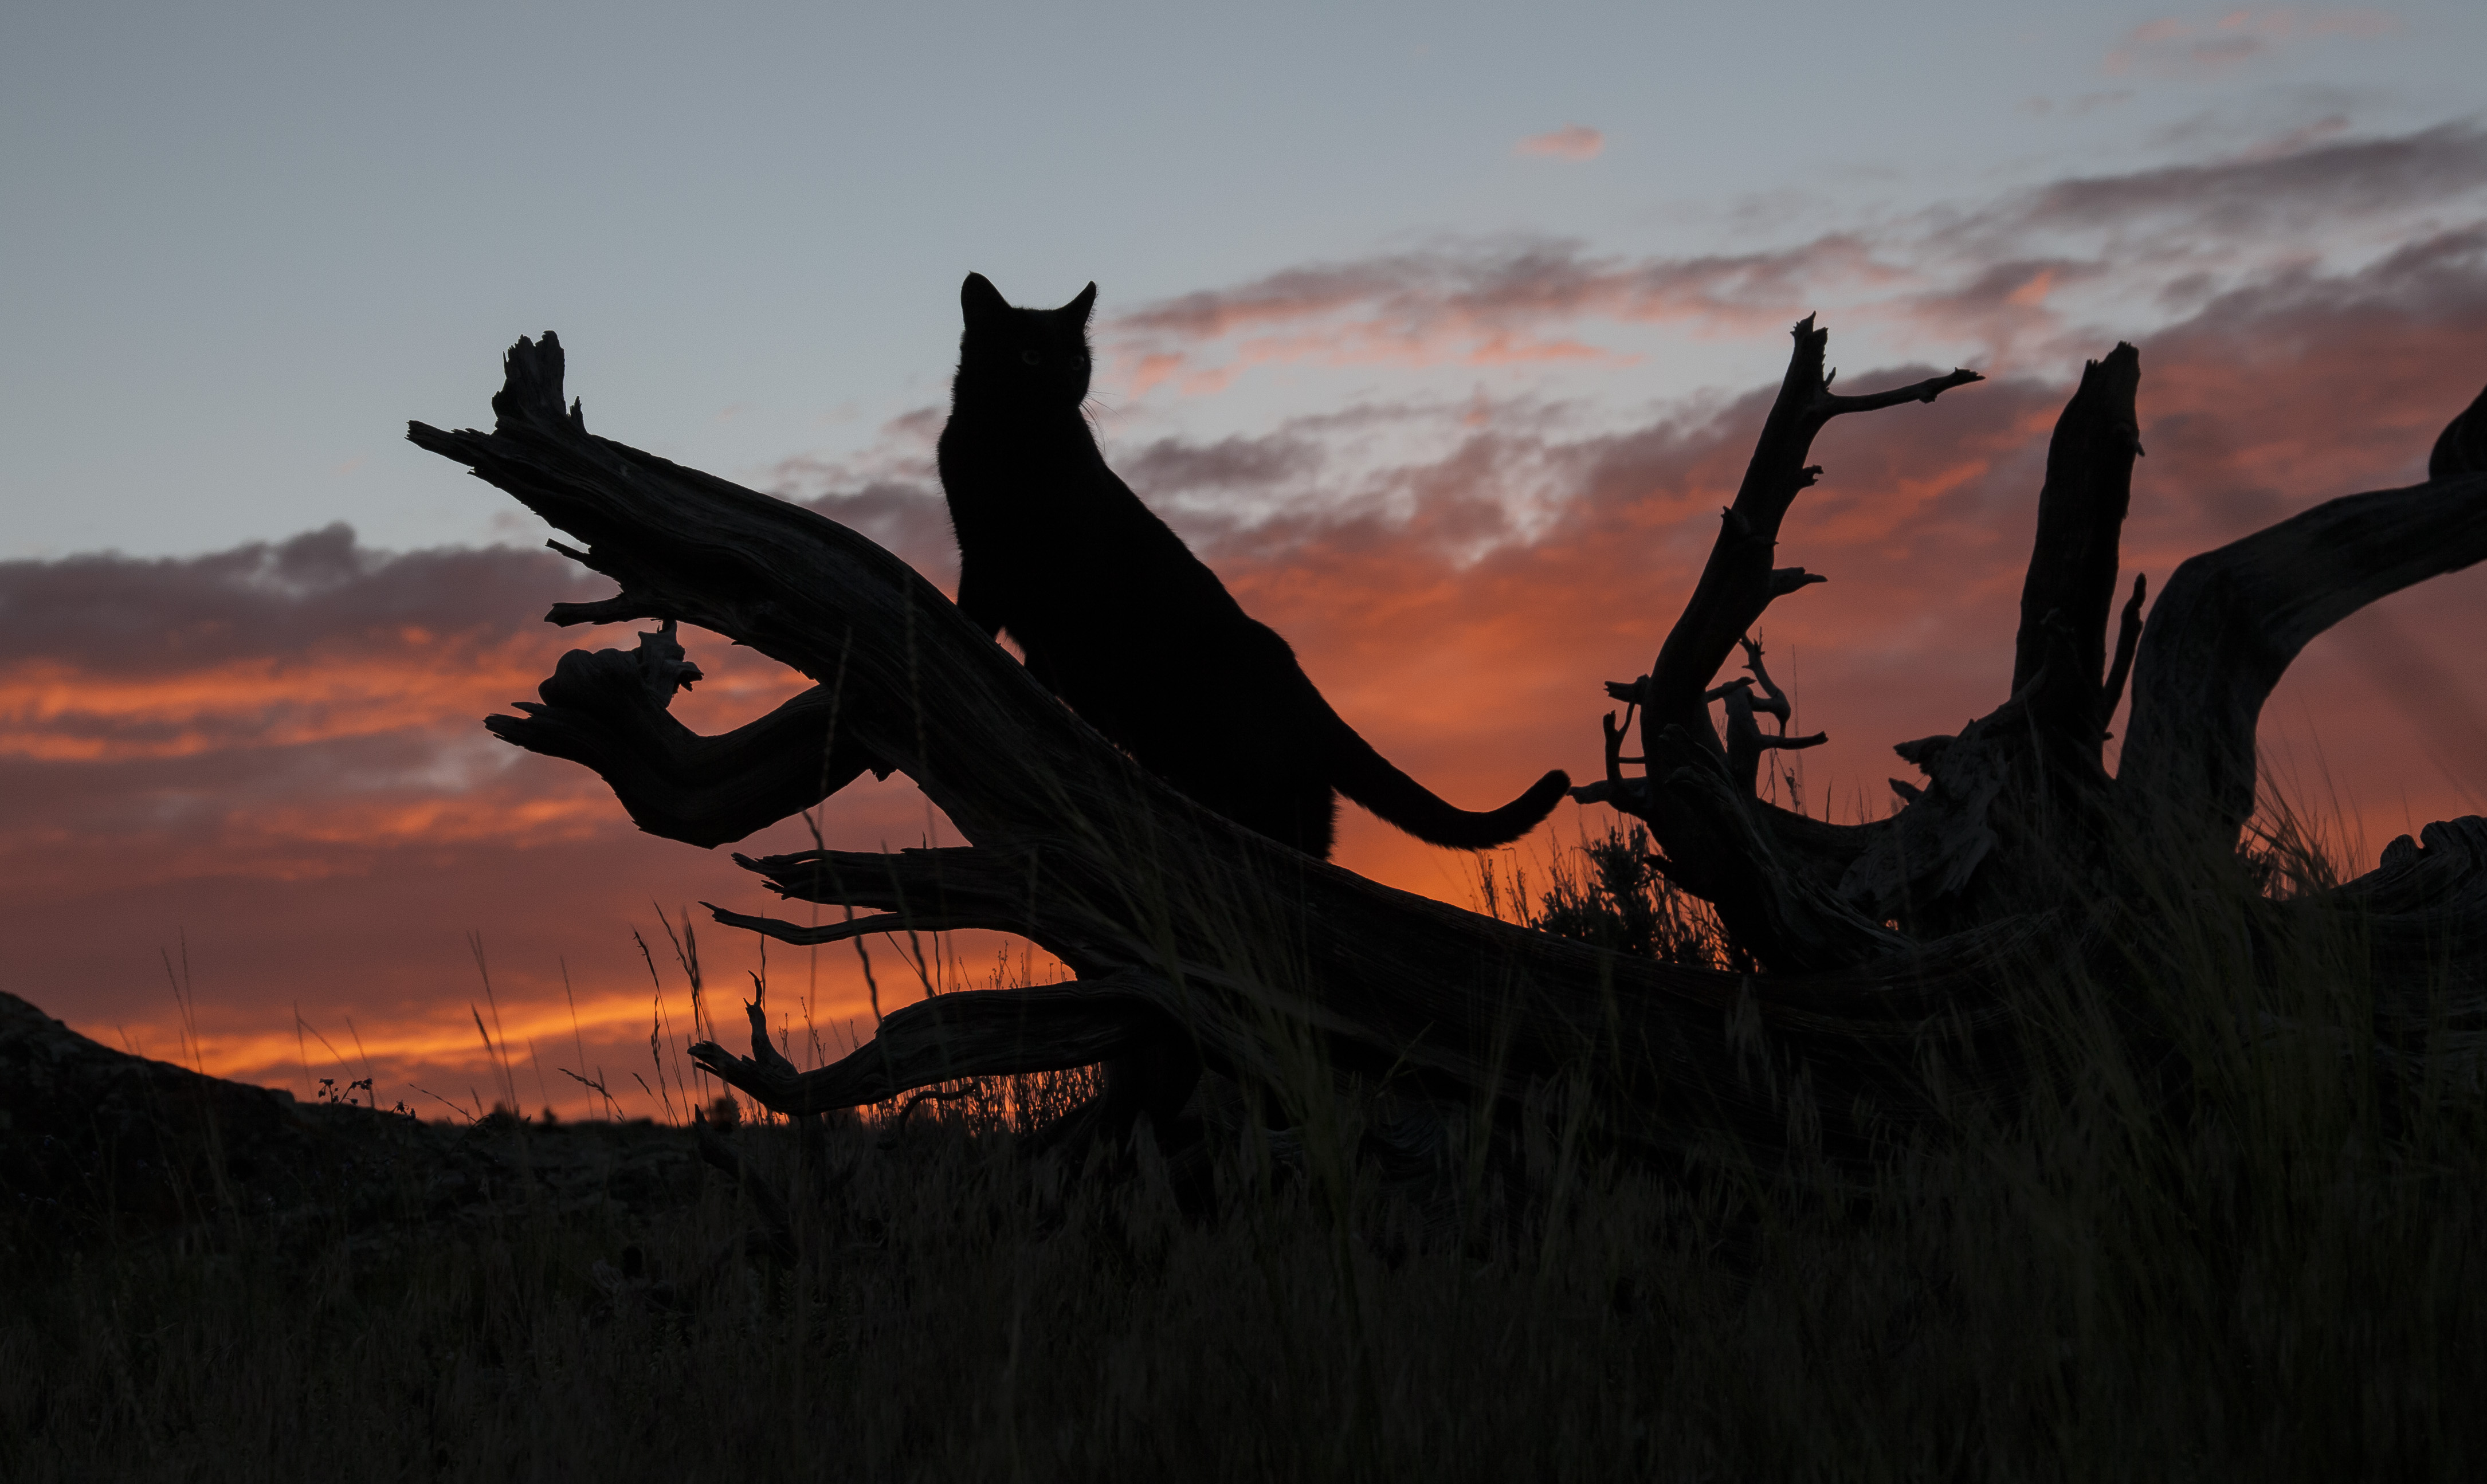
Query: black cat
<point x="1119" y="619"/>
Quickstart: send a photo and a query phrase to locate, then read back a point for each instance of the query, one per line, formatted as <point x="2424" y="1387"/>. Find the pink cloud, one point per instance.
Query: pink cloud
<point x="2002" y="278"/>
<point x="1573" y="141"/>
<point x="1480" y="305"/>
<point x="2175" y="47"/>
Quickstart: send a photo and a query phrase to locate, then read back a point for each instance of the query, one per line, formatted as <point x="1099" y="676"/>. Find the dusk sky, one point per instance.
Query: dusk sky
<point x="1441" y="334"/>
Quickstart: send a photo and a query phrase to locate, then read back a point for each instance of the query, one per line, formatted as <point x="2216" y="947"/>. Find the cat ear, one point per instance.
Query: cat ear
<point x="1080" y="307"/>
<point x="980" y="299"/>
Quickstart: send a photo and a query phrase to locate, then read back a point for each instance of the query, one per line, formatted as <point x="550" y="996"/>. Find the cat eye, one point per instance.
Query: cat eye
<point x="1031" y="358"/>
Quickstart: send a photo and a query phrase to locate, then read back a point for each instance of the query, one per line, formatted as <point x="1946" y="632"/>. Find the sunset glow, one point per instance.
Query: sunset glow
<point x="1468" y="458"/>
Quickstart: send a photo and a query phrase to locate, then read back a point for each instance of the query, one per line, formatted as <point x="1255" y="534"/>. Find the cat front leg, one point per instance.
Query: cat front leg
<point x="976" y="602"/>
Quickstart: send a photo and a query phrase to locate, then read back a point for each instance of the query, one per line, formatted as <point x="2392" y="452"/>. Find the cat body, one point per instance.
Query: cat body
<point x="1119" y="619"/>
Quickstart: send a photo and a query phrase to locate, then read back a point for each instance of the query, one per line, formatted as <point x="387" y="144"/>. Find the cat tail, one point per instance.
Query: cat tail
<point x="1370" y="780"/>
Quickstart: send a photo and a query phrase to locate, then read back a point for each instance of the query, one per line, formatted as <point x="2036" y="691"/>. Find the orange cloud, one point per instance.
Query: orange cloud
<point x="54" y="712"/>
<point x="269" y="760"/>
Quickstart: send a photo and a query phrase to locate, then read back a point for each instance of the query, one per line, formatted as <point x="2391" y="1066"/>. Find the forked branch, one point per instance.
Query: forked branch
<point x="1780" y="909"/>
<point x="1737" y="582"/>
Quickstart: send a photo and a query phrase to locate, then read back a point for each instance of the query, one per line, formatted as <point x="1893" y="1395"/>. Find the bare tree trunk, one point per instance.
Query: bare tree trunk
<point x="2018" y="806"/>
<point x="1197" y="942"/>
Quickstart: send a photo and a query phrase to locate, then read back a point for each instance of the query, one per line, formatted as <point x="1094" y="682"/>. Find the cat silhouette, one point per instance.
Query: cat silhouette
<point x="1120" y="620"/>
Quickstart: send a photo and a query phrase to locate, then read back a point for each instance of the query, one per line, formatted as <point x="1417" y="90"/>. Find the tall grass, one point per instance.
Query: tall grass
<point x="2215" y="1235"/>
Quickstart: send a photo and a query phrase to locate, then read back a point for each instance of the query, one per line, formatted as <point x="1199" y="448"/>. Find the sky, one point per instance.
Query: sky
<point x="1441" y="333"/>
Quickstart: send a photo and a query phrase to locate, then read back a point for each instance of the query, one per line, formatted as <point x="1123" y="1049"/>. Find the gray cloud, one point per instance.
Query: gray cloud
<point x="1503" y="283"/>
<point x="887" y="492"/>
<point x="2016" y="273"/>
<point x="906" y="517"/>
<point x="114" y="614"/>
<point x="1176" y="465"/>
<point x="2337" y="179"/>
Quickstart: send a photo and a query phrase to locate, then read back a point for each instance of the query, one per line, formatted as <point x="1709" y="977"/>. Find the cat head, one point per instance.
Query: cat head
<point x="1038" y="352"/>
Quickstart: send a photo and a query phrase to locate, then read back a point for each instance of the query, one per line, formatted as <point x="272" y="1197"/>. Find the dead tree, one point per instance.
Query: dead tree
<point x="2018" y="804"/>
<point x="1197" y="943"/>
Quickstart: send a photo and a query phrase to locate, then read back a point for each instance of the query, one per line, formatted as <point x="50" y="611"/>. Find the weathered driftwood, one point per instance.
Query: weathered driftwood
<point x="2230" y="621"/>
<point x="2018" y="805"/>
<point x="1195" y="943"/>
<point x="1185" y="931"/>
<point x="1719" y="842"/>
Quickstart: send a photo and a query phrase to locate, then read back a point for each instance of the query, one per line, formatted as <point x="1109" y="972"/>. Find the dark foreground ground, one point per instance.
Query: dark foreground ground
<point x="210" y="1282"/>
